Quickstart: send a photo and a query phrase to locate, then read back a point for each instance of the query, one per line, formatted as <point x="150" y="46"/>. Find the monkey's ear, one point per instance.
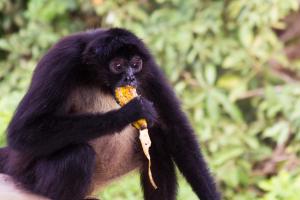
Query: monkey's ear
<point x="96" y="54"/>
<point x="89" y="55"/>
<point x="93" y="53"/>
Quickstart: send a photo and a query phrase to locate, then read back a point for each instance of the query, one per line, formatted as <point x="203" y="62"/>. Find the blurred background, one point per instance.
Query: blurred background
<point x="235" y="64"/>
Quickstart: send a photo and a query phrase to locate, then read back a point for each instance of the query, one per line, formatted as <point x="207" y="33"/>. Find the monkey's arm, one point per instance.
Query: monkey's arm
<point x="181" y="140"/>
<point x="43" y="134"/>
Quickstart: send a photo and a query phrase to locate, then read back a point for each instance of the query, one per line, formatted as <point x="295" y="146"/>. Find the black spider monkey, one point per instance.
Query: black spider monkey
<point x="68" y="136"/>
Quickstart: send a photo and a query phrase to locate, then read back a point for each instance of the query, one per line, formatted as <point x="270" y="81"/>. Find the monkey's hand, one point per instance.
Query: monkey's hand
<point x="140" y="108"/>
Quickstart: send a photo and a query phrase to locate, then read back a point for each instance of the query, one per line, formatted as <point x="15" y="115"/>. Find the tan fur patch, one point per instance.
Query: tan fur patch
<point x="117" y="154"/>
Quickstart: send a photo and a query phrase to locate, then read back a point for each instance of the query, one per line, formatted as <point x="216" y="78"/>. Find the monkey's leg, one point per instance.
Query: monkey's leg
<point x="66" y="175"/>
<point x="190" y="162"/>
<point x="163" y="171"/>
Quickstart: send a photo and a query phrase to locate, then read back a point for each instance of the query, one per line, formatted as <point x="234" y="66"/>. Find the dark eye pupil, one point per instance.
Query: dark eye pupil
<point x="118" y="67"/>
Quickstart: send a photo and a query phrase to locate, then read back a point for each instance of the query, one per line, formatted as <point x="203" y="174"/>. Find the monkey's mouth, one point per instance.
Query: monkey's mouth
<point x="122" y="83"/>
<point x="125" y="82"/>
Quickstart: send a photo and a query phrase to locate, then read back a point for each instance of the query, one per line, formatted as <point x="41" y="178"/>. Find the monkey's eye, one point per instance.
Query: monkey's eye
<point x="116" y="66"/>
<point x="136" y="63"/>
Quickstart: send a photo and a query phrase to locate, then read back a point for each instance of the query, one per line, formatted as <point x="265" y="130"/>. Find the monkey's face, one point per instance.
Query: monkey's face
<point x="125" y="70"/>
<point x="120" y="70"/>
<point x="117" y="58"/>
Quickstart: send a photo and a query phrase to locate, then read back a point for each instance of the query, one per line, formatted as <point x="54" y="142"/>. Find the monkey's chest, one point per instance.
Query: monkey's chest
<point x="116" y="154"/>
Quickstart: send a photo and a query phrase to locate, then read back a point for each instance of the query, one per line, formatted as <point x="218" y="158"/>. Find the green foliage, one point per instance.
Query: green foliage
<point x="280" y="187"/>
<point x="217" y="56"/>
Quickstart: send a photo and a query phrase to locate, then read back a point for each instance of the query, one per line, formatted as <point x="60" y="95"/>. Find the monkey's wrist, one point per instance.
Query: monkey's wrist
<point x="130" y="114"/>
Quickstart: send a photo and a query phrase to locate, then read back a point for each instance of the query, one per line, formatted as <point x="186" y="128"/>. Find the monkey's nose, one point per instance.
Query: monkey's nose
<point x="129" y="79"/>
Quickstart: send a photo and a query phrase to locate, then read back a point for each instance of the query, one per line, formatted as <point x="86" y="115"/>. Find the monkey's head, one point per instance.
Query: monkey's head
<point x="116" y="57"/>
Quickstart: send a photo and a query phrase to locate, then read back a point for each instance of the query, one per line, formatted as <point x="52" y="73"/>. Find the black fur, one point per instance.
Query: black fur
<point x="47" y="145"/>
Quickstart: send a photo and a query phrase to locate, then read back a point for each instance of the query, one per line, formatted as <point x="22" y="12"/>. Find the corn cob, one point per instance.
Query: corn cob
<point x="123" y="95"/>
